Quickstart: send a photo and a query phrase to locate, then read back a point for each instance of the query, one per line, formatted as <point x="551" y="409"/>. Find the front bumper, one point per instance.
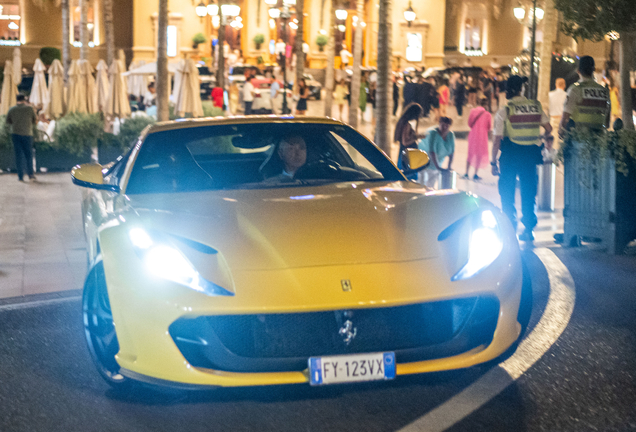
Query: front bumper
<point x="159" y="325"/>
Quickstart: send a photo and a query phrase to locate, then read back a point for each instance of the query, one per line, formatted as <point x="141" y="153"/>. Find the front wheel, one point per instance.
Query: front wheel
<point x="99" y="328"/>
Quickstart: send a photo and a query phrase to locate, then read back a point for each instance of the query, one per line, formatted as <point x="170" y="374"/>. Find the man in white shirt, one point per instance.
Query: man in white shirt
<point x="344" y="56"/>
<point x="248" y="95"/>
<point x="558" y="97"/>
<point x="274" y="90"/>
<point x="280" y="51"/>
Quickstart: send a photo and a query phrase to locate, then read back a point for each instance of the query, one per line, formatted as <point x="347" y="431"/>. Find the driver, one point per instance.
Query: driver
<point x="293" y="153"/>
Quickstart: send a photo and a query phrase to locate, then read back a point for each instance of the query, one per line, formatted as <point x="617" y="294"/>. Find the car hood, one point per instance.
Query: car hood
<point x="293" y="227"/>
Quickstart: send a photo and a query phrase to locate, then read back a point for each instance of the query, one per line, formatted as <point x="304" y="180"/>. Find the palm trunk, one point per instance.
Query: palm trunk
<point x="383" y="92"/>
<point x="357" y="63"/>
<point x="550" y="24"/>
<point x="300" y="55"/>
<point x="163" y="91"/>
<point x="84" y="29"/>
<point x="66" y="37"/>
<point x="627" y="47"/>
<point x="331" y="53"/>
<point x="109" y="31"/>
<point x="220" y="69"/>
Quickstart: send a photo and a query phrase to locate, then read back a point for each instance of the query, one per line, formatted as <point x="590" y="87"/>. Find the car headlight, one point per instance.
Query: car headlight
<point x="485" y="245"/>
<point x="163" y="260"/>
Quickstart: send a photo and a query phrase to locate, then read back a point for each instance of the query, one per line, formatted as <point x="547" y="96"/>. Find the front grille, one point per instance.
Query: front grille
<point x="283" y="342"/>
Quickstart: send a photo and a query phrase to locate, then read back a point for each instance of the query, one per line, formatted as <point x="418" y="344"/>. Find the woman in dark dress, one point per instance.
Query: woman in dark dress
<point x="303" y="95"/>
<point x="405" y="134"/>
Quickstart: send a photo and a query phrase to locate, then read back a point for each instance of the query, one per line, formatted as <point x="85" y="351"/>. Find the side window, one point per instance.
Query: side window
<point x="354" y="154"/>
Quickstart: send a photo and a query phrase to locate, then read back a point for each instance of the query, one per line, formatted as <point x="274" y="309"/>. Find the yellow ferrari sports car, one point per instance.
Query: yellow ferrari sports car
<point x="279" y="250"/>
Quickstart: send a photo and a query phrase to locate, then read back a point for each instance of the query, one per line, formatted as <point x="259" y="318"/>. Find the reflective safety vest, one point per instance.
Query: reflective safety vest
<point x="592" y="109"/>
<point x="523" y="123"/>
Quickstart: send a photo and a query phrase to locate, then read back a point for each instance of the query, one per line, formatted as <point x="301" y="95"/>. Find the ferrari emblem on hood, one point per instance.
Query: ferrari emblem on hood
<point x="346" y="285"/>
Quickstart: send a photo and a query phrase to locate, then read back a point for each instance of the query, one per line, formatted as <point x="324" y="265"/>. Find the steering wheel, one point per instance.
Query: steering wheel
<point x="318" y="169"/>
<point x="328" y="169"/>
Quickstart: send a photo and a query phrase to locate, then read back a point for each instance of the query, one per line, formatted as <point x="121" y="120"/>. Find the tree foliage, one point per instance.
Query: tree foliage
<point x="593" y="19"/>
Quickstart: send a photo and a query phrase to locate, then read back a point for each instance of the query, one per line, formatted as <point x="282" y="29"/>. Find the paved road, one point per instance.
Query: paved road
<point x="584" y="382"/>
<point x="50" y="384"/>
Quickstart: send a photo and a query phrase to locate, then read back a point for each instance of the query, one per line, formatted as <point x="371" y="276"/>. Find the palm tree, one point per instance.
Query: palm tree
<point x="550" y="27"/>
<point x="300" y="55"/>
<point x="331" y="53"/>
<point x="220" y="62"/>
<point x="84" y="29"/>
<point x="627" y="47"/>
<point x="109" y="30"/>
<point x="357" y="63"/>
<point x="66" y="37"/>
<point x="162" y="62"/>
<point x="383" y="97"/>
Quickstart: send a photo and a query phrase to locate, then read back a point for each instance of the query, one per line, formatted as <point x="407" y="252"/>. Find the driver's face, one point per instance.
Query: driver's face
<point x="293" y="153"/>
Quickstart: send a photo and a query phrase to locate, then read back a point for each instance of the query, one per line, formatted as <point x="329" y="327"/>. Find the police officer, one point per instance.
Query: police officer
<point x="518" y="134"/>
<point x="588" y="102"/>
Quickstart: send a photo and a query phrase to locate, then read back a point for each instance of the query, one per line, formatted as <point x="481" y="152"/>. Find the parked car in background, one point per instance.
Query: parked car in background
<point x="207" y="81"/>
<point x="236" y="80"/>
<point x="263" y="102"/>
<point x="314" y="86"/>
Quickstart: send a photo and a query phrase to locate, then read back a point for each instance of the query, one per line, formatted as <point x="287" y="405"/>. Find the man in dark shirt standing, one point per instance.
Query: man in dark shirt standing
<point x="22" y="118"/>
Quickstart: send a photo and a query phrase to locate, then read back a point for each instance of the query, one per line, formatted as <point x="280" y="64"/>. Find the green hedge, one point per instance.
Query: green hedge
<point x="77" y="132"/>
<point x="131" y="129"/>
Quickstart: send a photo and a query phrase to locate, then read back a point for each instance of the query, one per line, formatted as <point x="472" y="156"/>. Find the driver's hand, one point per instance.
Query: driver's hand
<point x="495" y="170"/>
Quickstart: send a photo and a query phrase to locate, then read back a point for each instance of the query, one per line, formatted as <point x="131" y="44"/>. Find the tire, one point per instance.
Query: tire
<point x="99" y="329"/>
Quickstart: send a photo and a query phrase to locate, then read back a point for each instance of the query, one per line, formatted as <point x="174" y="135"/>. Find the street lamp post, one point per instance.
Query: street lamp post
<point x="533" y="49"/>
<point x="537" y="15"/>
<point x="284" y="14"/>
<point x="223" y="10"/>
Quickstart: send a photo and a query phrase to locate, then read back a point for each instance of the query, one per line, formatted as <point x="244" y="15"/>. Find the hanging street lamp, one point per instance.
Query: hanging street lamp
<point x="409" y="14"/>
<point x="201" y="10"/>
<point x="212" y="8"/>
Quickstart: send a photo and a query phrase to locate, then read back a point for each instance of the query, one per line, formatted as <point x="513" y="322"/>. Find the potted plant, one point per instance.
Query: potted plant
<point x="321" y="41"/>
<point x="258" y="40"/>
<point x="198" y="39"/>
<point x="48" y="54"/>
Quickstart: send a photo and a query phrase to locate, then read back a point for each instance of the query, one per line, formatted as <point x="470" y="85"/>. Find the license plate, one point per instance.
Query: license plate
<point x="351" y="368"/>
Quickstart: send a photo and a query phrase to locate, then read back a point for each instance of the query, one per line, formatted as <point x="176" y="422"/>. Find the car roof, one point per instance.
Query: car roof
<point x="233" y="120"/>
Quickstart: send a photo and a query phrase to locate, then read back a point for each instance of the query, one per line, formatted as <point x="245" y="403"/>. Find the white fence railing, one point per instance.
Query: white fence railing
<point x="589" y="200"/>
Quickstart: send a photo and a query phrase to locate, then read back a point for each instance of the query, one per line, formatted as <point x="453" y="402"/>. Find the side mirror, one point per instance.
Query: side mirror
<point x="91" y="176"/>
<point x="414" y="160"/>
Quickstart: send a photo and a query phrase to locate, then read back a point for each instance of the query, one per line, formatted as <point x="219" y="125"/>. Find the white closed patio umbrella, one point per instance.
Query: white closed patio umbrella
<point x="101" y="85"/>
<point x="137" y="83"/>
<point x="178" y="74"/>
<point x="88" y="81"/>
<point x="17" y="66"/>
<point x="117" y="104"/>
<point x="76" y="91"/>
<point x="9" y="89"/>
<point x="56" y="103"/>
<point x="188" y="96"/>
<point x="39" y="96"/>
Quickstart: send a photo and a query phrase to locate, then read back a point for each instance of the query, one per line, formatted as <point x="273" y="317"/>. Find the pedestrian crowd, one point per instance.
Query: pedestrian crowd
<point x="498" y="105"/>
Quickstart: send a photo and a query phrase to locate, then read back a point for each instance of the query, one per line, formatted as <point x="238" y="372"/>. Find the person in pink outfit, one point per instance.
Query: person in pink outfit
<point x="480" y="123"/>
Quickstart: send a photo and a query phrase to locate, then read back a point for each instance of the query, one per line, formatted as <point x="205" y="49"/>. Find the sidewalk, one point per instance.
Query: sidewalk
<point x="42" y="247"/>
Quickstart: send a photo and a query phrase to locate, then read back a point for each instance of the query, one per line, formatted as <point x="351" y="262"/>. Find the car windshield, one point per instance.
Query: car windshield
<point x="251" y="156"/>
